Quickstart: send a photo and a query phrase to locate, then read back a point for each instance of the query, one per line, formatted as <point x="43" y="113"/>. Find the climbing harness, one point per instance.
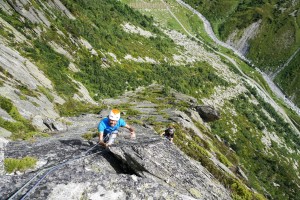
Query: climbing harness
<point x="110" y="137"/>
<point x="50" y="170"/>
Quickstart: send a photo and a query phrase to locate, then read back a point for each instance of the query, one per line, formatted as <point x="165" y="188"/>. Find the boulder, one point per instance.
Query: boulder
<point x="208" y="113"/>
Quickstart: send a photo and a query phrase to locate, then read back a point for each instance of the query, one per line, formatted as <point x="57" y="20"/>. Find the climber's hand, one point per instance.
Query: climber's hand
<point x="132" y="136"/>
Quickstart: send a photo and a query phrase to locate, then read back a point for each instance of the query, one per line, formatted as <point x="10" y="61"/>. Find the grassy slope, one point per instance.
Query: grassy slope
<point x="292" y="74"/>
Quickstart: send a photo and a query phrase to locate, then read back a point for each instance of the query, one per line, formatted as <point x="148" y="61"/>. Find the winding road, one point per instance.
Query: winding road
<point x="210" y="32"/>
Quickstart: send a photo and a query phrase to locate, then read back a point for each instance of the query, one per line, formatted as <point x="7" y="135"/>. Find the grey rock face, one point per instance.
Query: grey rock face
<point x="242" y="43"/>
<point x="162" y="162"/>
<point x="28" y="74"/>
<point x="4" y="133"/>
<point x="5" y="115"/>
<point x="57" y="4"/>
<point x="5" y="7"/>
<point x="26" y="9"/>
<point x="3" y="143"/>
<point x="146" y="168"/>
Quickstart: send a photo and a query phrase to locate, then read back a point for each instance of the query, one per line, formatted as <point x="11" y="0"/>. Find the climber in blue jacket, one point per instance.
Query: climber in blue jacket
<point x="109" y="126"/>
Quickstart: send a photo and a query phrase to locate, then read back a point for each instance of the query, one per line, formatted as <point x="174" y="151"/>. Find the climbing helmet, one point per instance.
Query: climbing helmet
<point x="114" y="115"/>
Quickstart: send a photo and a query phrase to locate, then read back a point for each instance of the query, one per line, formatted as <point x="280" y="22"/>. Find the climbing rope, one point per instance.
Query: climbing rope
<point x="50" y="170"/>
<point x="148" y="140"/>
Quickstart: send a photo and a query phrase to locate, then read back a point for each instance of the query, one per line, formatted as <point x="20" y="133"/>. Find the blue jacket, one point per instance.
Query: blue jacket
<point x="105" y="128"/>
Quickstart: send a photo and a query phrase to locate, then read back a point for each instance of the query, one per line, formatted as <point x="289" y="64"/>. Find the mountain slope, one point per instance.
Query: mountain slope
<point x="64" y="58"/>
<point x="266" y="32"/>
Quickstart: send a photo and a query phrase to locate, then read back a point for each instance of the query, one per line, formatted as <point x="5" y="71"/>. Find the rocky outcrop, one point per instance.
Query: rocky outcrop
<point x="70" y="167"/>
<point x="242" y="44"/>
<point x="25" y="73"/>
<point x="5" y="7"/>
<point x="22" y="72"/>
<point x="58" y="5"/>
<point x="3" y="143"/>
<point x="27" y="10"/>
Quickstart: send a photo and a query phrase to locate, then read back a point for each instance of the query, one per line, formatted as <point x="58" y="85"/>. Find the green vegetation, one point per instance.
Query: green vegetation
<point x="223" y="159"/>
<point x="194" y="148"/>
<point x="100" y="25"/>
<point x="26" y="91"/>
<point x="20" y="127"/>
<point x="74" y="108"/>
<point x="13" y="164"/>
<point x="198" y="148"/>
<point x="16" y="23"/>
<point x="90" y="135"/>
<point x="54" y="65"/>
<point x="277" y="26"/>
<point x="106" y="35"/>
<point x="47" y="93"/>
<point x="252" y="73"/>
<point x="292" y="74"/>
<point x="216" y="11"/>
<point x="189" y="80"/>
<point x="295" y="118"/>
<point x="6" y="73"/>
<point x="188" y="21"/>
<point x="262" y="164"/>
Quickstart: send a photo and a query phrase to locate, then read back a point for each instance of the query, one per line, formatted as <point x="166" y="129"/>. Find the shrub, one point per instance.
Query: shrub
<point x="46" y="92"/>
<point x="223" y="159"/>
<point x="14" y="164"/>
<point x="240" y="191"/>
<point x="26" y="91"/>
<point x="89" y="135"/>
<point x="73" y="107"/>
